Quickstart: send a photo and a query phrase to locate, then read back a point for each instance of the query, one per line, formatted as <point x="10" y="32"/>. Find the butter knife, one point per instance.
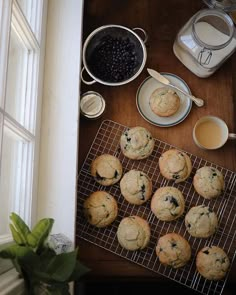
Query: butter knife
<point x="198" y="101"/>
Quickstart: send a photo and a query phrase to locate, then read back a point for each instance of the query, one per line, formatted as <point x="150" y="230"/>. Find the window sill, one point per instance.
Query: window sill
<point x="11" y="284"/>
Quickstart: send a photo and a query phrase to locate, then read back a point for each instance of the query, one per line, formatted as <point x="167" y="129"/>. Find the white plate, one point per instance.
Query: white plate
<point x="146" y="89"/>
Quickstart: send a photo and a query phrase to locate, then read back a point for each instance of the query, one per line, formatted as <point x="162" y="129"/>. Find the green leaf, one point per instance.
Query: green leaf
<point x="14" y="251"/>
<point x="20" y="226"/>
<point x="29" y="261"/>
<point x="79" y="270"/>
<point x="32" y="241"/>
<point x="40" y="233"/>
<point x="61" y="266"/>
<point x="16" y="236"/>
<point x="41" y="272"/>
<point x="43" y="276"/>
<point x="32" y="267"/>
<point x="46" y="256"/>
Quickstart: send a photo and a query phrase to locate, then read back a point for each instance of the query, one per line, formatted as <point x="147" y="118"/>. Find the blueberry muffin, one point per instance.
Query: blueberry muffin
<point x="133" y="233"/>
<point x="106" y="169"/>
<point x="212" y="263"/>
<point x="201" y="222"/>
<point x="164" y="102"/>
<point x="175" y="165"/>
<point x="136" y="187"/>
<point x="173" y="250"/>
<point x="167" y="203"/>
<point x="208" y="182"/>
<point x="137" y="143"/>
<point x="100" y="209"/>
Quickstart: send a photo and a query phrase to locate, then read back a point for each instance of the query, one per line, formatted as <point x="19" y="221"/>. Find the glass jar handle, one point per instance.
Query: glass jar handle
<point x="204" y="60"/>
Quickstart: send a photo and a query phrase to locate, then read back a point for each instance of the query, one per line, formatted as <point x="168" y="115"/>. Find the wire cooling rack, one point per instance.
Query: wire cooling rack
<point x="107" y="141"/>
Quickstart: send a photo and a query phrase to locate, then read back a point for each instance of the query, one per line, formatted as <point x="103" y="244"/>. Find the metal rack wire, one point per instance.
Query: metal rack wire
<point x="107" y="141"/>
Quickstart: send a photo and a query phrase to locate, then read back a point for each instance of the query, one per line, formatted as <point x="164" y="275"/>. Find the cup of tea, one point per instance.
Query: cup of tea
<point x="211" y="133"/>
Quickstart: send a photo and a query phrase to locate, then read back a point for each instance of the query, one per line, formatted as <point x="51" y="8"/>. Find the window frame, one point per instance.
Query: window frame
<point x="12" y="18"/>
<point x="5" y="19"/>
<point x="9" y="278"/>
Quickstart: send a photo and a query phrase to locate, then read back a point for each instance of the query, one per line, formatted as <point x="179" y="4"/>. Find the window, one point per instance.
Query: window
<point x="56" y="173"/>
<point x="20" y="66"/>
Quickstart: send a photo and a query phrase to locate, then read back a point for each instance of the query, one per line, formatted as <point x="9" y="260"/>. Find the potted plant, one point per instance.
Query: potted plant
<point x="43" y="271"/>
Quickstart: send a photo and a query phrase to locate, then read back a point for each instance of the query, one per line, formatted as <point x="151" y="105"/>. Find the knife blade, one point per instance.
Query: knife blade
<point x="198" y="101"/>
<point x="158" y="76"/>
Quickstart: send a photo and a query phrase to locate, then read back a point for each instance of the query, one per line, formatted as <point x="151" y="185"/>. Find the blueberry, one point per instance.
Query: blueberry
<point x="116" y="174"/>
<point x="174" y="201"/>
<point x="205" y="252"/>
<point x="99" y="178"/>
<point x="114" y="59"/>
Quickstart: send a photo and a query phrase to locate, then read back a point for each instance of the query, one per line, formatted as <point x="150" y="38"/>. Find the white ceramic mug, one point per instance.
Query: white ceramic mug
<point x="211" y="133"/>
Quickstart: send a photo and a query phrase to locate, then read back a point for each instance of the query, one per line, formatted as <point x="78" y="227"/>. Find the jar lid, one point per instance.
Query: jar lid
<point x="217" y="30"/>
<point x="92" y="105"/>
<point x="226" y="5"/>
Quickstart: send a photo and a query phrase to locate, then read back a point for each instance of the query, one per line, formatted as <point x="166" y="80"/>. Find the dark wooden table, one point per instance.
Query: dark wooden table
<point x="161" y="20"/>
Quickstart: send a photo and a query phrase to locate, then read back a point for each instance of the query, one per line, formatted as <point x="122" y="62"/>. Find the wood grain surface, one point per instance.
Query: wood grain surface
<point x="161" y="20"/>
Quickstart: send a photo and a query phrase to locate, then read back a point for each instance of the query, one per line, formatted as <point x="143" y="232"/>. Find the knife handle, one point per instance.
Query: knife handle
<point x="198" y="101"/>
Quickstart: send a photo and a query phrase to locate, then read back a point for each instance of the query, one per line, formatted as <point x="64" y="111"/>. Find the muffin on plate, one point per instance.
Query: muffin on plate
<point x="100" y="209"/>
<point x="173" y="250"/>
<point x="212" y="263"/>
<point x="209" y="182"/>
<point x="133" y="233"/>
<point x="137" y="143"/>
<point x="106" y="169"/>
<point x="167" y="203"/>
<point x="175" y="165"/>
<point x="136" y="187"/>
<point x="201" y="222"/>
<point x="164" y="102"/>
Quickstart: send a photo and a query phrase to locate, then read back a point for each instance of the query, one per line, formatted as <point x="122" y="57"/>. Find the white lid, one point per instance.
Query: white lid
<point x="92" y="104"/>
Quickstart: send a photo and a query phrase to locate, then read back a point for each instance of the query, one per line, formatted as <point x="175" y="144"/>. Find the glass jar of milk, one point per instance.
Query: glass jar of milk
<point x="205" y="41"/>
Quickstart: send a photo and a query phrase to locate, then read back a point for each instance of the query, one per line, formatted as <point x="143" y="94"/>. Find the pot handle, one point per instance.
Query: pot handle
<point x="82" y="78"/>
<point x="144" y="33"/>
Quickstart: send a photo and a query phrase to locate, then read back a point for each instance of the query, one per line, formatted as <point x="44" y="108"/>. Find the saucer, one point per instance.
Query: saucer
<point x="144" y="93"/>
